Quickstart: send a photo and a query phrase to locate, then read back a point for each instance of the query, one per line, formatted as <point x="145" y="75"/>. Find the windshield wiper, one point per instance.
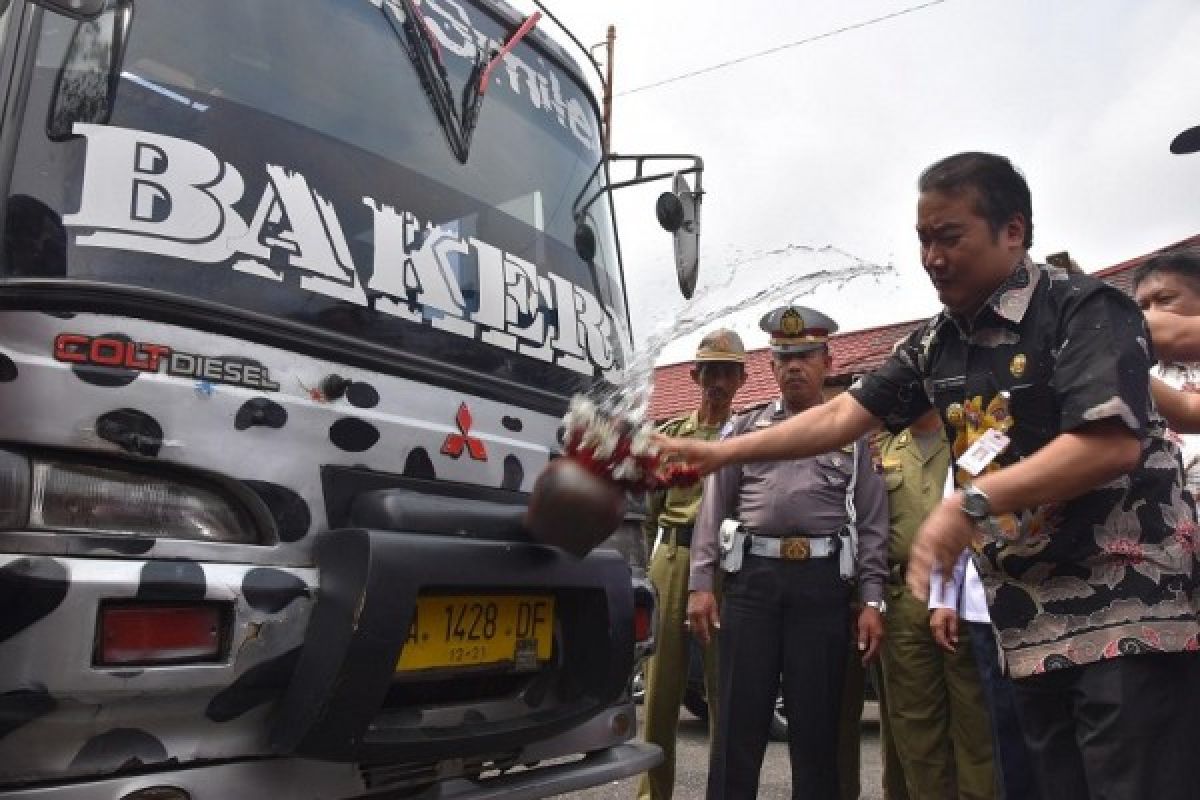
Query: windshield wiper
<point x="458" y="123"/>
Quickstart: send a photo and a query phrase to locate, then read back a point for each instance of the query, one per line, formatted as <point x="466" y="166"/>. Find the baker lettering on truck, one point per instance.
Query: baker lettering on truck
<point x="294" y="295"/>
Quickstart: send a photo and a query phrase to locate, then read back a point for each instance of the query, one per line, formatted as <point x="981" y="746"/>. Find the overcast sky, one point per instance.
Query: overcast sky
<point x="820" y="144"/>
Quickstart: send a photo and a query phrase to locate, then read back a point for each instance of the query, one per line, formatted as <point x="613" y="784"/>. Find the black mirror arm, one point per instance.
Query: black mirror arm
<point x="580" y="207"/>
<point x="81" y="10"/>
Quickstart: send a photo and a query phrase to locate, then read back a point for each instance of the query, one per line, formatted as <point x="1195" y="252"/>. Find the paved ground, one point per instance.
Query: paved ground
<point x="775" y="784"/>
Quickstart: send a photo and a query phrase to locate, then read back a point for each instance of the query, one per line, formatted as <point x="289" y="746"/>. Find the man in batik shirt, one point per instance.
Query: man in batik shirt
<point x="1170" y="283"/>
<point x="1067" y="481"/>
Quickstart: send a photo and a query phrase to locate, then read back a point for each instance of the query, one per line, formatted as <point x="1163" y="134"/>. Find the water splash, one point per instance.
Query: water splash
<point x="630" y="390"/>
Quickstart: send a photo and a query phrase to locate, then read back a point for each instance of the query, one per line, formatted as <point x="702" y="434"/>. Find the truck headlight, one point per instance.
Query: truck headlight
<point x="54" y="494"/>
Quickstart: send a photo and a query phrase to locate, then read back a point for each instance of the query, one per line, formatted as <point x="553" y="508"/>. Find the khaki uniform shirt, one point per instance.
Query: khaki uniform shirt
<point x="915" y="483"/>
<point x="677" y="506"/>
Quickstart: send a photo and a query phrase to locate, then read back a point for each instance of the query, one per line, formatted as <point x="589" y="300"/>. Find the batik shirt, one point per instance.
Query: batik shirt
<point x="1113" y="571"/>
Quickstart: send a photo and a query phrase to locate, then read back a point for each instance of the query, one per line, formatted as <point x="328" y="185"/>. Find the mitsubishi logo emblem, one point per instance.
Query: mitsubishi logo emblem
<point x="455" y="442"/>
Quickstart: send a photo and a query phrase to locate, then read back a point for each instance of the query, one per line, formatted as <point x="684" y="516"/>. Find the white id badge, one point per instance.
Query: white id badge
<point x="983" y="452"/>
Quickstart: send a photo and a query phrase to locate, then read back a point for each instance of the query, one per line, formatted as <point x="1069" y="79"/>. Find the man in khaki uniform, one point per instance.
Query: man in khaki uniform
<point x="935" y="703"/>
<point x="720" y="371"/>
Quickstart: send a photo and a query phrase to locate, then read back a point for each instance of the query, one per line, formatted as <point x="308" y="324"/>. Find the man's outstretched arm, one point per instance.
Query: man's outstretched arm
<point x="820" y="429"/>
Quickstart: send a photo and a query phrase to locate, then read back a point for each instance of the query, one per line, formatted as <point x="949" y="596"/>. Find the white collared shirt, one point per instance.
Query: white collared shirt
<point x="964" y="591"/>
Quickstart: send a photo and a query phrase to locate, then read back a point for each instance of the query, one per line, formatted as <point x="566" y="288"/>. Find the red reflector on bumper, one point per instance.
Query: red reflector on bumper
<point x="643" y="619"/>
<point x="158" y="634"/>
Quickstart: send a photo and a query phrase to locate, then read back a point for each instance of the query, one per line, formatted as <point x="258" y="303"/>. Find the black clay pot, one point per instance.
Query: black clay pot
<point x="573" y="509"/>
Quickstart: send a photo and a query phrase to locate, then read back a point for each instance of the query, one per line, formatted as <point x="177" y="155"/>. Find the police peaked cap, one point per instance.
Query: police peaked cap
<point x="796" y="329"/>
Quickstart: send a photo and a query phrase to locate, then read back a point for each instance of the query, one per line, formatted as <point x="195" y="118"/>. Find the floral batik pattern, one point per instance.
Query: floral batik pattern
<point x="1112" y="572"/>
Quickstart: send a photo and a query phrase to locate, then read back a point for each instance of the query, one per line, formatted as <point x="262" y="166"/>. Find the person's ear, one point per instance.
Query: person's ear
<point x="695" y="373"/>
<point x="1013" y="232"/>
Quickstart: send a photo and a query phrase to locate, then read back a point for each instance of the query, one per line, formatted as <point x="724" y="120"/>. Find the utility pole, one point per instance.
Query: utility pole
<point x="609" y="42"/>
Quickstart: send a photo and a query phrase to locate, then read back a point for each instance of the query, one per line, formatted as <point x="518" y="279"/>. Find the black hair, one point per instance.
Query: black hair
<point x="1183" y="262"/>
<point x="1001" y="190"/>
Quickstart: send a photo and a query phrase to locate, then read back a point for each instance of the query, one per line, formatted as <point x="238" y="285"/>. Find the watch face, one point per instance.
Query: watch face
<point x="975" y="504"/>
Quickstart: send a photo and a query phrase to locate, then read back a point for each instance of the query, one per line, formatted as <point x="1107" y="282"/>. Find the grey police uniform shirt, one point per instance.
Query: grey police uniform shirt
<point x="804" y="496"/>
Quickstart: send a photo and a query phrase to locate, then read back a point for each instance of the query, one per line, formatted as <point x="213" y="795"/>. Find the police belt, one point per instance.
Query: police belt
<point x="683" y="534"/>
<point x="792" y="548"/>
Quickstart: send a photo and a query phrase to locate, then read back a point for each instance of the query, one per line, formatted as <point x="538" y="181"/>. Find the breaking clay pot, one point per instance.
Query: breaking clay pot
<point x="573" y="509"/>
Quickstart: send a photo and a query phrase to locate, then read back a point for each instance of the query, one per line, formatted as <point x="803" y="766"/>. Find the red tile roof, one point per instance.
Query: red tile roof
<point x="1121" y="275"/>
<point x="859" y="351"/>
<point x="853" y="353"/>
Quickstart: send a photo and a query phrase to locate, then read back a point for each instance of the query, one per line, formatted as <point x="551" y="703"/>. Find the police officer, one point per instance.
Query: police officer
<point x="785" y="615"/>
<point x="936" y="709"/>
<point x="719" y="370"/>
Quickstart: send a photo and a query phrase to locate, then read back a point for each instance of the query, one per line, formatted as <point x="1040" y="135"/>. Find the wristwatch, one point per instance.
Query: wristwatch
<point x="976" y="504"/>
<point x="878" y="605"/>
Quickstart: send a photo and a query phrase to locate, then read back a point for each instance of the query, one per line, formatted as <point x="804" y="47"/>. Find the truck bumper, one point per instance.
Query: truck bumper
<point x="299" y="779"/>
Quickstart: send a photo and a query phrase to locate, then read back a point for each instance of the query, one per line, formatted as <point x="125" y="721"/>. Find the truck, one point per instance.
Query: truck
<point x="293" y="296"/>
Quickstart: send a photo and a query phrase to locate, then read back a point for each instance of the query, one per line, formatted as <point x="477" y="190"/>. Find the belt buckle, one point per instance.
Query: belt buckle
<point x="794" y="548"/>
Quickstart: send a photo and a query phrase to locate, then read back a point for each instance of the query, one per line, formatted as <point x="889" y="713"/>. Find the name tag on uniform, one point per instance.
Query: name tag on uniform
<point x="983" y="452"/>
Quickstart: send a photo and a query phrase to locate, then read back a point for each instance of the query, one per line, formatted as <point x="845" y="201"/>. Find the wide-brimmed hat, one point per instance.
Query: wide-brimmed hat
<point x="721" y="345"/>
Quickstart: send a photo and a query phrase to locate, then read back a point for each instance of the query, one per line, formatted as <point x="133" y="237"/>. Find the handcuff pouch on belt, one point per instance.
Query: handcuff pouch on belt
<point x="848" y="552"/>
<point x="732" y="542"/>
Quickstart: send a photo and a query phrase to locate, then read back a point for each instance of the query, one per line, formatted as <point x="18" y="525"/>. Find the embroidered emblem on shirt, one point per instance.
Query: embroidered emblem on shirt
<point x="1017" y="365"/>
<point x="974" y="422"/>
<point x="954" y="414"/>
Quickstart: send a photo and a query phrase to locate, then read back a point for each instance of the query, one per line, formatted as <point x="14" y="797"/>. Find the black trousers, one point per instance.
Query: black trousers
<point x="1016" y="778"/>
<point x="1123" y="729"/>
<point x="783" y="621"/>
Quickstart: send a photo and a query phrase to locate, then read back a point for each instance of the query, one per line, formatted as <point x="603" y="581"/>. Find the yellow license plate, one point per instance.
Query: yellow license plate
<point x="468" y="630"/>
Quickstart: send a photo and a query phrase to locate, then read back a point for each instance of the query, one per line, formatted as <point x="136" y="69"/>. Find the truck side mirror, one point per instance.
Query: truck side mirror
<point x="77" y="9"/>
<point x="86" y="85"/>
<point x="678" y="212"/>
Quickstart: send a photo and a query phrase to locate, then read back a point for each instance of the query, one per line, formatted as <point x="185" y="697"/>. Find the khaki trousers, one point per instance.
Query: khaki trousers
<point x="667" y="669"/>
<point x="850" y="732"/>
<point x="936" y="707"/>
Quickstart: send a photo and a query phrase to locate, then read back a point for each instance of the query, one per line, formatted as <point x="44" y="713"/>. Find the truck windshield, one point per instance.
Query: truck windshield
<point x="282" y="157"/>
